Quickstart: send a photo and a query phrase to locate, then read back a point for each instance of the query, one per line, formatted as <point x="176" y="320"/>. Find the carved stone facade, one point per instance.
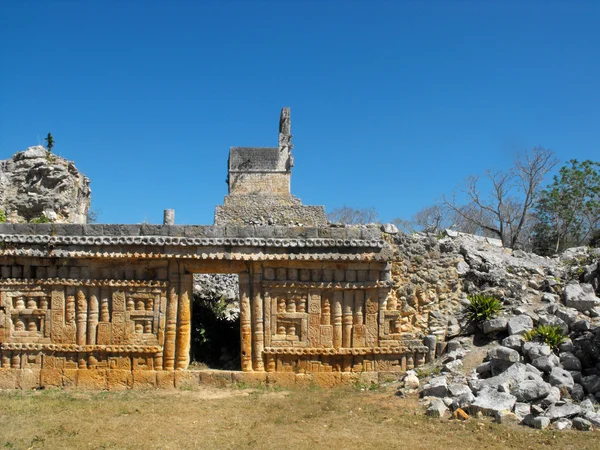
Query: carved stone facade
<point x="109" y="306"/>
<point x="119" y="298"/>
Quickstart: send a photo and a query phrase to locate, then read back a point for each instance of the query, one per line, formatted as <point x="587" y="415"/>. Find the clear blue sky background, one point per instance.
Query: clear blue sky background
<point x="393" y="103"/>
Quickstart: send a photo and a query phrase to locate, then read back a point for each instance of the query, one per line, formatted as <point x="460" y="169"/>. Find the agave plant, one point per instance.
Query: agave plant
<point x="482" y="307"/>
<point x="548" y="334"/>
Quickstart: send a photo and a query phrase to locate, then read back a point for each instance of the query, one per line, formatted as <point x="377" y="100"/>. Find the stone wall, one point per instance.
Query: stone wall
<point x="116" y="299"/>
<point x="259" y="183"/>
<point x="268" y="210"/>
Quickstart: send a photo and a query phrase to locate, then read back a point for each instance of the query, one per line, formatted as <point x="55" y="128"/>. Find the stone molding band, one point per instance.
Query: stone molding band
<point x="327" y="285"/>
<point x="345" y="351"/>
<point x="78" y="282"/>
<point x="187" y="241"/>
<point x="208" y="256"/>
<point x="82" y="348"/>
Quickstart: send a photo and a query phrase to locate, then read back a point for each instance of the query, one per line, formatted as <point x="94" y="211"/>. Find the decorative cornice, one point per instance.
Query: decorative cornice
<point x="259" y="256"/>
<point x="327" y="285"/>
<point x="188" y="241"/>
<point x="81" y="348"/>
<point x="346" y="351"/>
<point x="78" y="282"/>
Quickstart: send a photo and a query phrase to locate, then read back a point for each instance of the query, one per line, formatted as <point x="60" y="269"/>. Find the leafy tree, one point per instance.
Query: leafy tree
<point x="49" y="142"/>
<point x="352" y="216"/>
<point x="504" y="210"/>
<point x="569" y="208"/>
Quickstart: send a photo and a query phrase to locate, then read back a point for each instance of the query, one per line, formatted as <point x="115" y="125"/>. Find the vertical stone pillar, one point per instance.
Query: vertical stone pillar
<point x="267" y="313"/>
<point x="184" y="331"/>
<point x="338" y="297"/>
<point x="348" y="309"/>
<point x="245" y="323"/>
<point x="93" y="306"/>
<point x="371" y="318"/>
<point x="258" y="321"/>
<point x="171" y="325"/>
<point x="169" y="217"/>
<point x="104" y="307"/>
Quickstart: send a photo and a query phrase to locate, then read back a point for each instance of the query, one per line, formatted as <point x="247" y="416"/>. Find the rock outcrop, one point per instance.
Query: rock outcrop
<point x="36" y="185"/>
<point x="519" y="379"/>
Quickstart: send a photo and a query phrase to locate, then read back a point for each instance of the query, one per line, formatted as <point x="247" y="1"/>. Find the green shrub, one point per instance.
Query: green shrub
<point x="2" y="216"/>
<point x="548" y="334"/>
<point x="40" y="219"/>
<point x="482" y="307"/>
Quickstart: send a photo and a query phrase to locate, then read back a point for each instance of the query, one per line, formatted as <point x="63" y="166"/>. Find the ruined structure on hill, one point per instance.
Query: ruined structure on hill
<point x="259" y="186"/>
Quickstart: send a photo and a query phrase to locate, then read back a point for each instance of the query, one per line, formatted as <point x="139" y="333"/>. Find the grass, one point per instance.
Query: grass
<point x="229" y="418"/>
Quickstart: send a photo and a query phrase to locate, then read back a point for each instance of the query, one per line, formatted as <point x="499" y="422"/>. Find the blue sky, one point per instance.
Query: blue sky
<point x="393" y="103"/>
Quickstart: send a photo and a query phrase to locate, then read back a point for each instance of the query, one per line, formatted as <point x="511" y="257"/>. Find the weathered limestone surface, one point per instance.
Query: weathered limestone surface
<point x="35" y="183"/>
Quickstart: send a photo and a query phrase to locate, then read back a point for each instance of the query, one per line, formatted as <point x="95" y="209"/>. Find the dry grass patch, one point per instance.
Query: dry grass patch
<point x="231" y="418"/>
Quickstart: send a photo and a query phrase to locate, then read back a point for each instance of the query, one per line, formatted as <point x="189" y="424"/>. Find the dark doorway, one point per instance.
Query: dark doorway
<point x="215" y="322"/>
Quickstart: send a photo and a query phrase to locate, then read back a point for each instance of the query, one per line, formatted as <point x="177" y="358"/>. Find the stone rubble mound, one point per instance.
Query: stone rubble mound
<point x="36" y="184"/>
<point x="520" y="380"/>
<point x="219" y="287"/>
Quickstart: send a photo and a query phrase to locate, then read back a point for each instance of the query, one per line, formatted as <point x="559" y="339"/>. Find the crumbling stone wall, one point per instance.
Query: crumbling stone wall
<point x="428" y="288"/>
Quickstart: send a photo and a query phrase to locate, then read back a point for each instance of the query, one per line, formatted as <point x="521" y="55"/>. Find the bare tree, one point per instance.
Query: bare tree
<point x="503" y="210"/>
<point x="432" y="219"/>
<point x="352" y="216"/>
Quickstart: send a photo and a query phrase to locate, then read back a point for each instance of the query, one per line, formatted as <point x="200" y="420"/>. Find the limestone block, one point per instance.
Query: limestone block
<point x="566" y="410"/>
<point x="304" y="380"/>
<point x="9" y="378"/>
<point x="519" y="324"/>
<point x="540" y="422"/>
<point x="119" y="380"/>
<point x="437" y="387"/>
<point x="581" y="424"/>
<point x="92" y="379"/>
<point x="165" y="379"/>
<point x="69" y="378"/>
<point x="327" y="380"/>
<point x="489" y="402"/>
<point x="281" y="379"/>
<point x="436" y="408"/>
<point x="216" y="377"/>
<point x="529" y="390"/>
<point x="495" y="325"/>
<point x="368" y="378"/>
<point x="251" y="379"/>
<point x="50" y="378"/>
<point x="144" y="379"/>
<point x="29" y="379"/>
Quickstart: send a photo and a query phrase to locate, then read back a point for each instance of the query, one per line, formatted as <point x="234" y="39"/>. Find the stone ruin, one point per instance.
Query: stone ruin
<point x="109" y="306"/>
<point x="259" y="186"/>
<point x="38" y="185"/>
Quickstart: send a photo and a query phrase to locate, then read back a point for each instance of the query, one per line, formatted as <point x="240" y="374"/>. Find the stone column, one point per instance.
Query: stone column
<point x="338" y="297"/>
<point x="258" y="320"/>
<point x="348" y="318"/>
<point x="267" y="313"/>
<point x="169" y="217"/>
<point x="245" y="323"/>
<point x="93" y="306"/>
<point x="371" y="318"/>
<point x="184" y="331"/>
<point x="171" y="325"/>
<point x="81" y="305"/>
